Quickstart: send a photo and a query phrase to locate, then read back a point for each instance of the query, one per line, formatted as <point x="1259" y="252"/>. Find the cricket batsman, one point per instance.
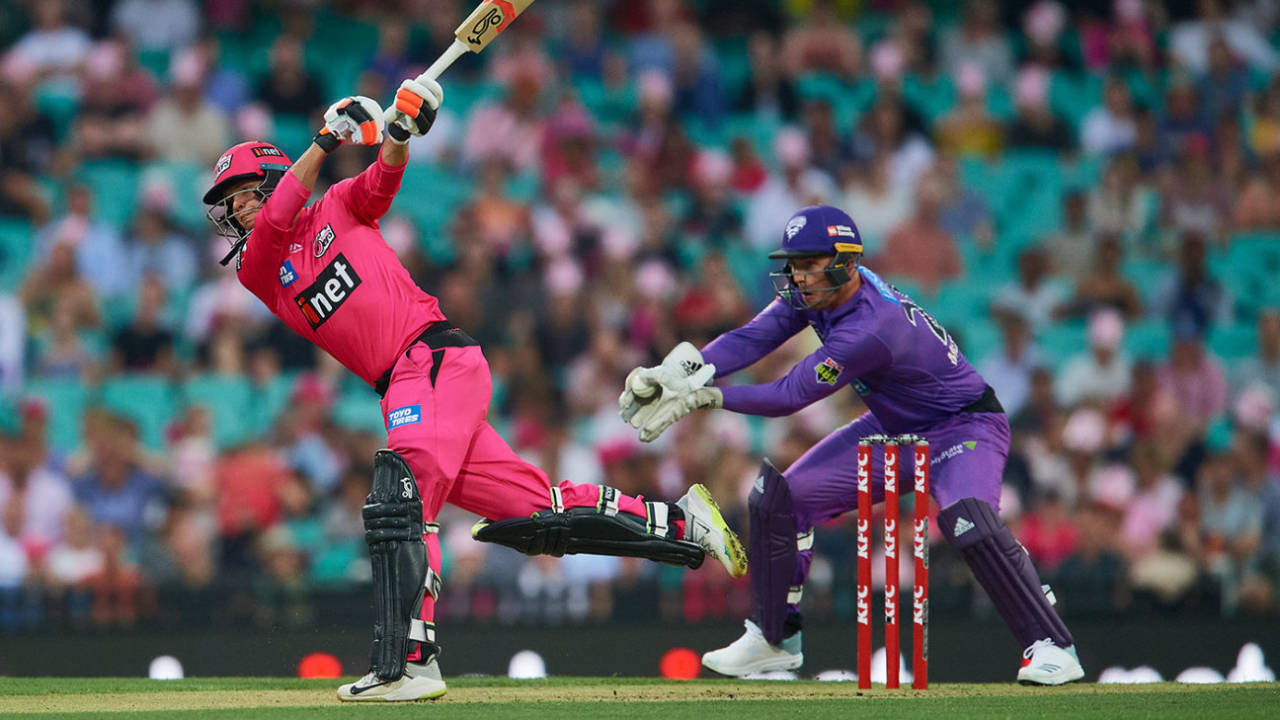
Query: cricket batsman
<point x="913" y="379"/>
<point x="325" y="270"/>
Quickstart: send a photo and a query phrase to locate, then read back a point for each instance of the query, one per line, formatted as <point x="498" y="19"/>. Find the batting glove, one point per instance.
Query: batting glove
<point x="356" y="119"/>
<point x="414" y="110"/>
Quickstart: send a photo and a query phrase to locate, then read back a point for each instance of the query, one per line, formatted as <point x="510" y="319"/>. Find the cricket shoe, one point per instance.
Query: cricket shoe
<point x="704" y="525"/>
<point x="420" y="681"/>
<point x="1047" y="664"/>
<point x="752" y="654"/>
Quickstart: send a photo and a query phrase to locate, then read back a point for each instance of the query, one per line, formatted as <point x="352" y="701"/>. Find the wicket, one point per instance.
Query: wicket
<point x="920" y="551"/>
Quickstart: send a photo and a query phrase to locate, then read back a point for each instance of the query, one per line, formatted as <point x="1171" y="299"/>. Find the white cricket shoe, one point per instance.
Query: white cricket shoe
<point x="752" y="654"/>
<point x="1047" y="664"/>
<point x="420" y="681"/>
<point x="704" y="525"/>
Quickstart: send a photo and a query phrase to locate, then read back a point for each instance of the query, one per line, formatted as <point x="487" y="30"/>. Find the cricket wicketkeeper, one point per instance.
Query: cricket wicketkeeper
<point x="913" y="378"/>
<point x="325" y="270"/>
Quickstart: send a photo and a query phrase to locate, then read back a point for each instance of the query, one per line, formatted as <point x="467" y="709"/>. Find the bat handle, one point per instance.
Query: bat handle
<point x="442" y="63"/>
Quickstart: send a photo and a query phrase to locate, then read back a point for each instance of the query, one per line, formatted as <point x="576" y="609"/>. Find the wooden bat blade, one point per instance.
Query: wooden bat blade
<point x="487" y="20"/>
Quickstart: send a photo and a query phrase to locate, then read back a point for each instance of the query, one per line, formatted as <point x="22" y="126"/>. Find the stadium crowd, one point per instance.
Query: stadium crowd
<point x="1083" y="193"/>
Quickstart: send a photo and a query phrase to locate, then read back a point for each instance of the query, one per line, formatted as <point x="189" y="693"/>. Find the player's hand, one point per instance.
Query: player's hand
<point x="356" y="120"/>
<point x="682" y="371"/>
<point x="414" y="109"/>
<point x="673" y="407"/>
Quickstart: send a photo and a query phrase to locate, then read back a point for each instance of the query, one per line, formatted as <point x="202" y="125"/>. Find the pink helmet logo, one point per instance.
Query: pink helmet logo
<point x="224" y="162"/>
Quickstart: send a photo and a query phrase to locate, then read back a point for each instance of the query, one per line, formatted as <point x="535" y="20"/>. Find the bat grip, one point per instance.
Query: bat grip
<point x="442" y="63"/>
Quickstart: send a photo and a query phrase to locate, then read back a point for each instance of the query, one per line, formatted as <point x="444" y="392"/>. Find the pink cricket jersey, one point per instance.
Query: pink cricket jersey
<point x="330" y="276"/>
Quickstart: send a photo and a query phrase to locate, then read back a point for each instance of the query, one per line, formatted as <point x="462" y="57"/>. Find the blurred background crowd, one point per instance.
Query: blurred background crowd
<point x="1083" y="193"/>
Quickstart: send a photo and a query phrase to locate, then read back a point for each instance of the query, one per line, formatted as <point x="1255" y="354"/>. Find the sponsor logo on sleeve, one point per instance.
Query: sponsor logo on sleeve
<point x="828" y="371"/>
<point x="294" y="247"/>
<point x="323" y="239"/>
<point x="322" y="298"/>
<point x="288" y="275"/>
<point x="407" y="415"/>
<point x="860" y="387"/>
<point x="795" y="225"/>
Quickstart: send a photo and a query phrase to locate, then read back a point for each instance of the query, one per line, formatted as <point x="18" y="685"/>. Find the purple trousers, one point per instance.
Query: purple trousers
<point x="967" y="456"/>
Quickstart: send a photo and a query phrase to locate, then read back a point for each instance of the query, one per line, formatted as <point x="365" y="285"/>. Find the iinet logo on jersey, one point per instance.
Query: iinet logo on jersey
<point x="322" y="298"/>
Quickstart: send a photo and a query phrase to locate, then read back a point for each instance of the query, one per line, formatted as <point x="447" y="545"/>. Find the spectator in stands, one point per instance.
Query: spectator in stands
<point x="58" y="281"/>
<point x="979" y="39"/>
<point x="70" y="565"/>
<point x="27" y="149"/>
<point x="53" y="48"/>
<point x="1122" y="203"/>
<point x="1190" y="296"/>
<point x="186" y="126"/>
<point x="1036" y="296"/>
<point x="1196" y="201"/>
<point x="156" y="249"/>
<point x="1093" y="576"/>
<point x="288" y="88"/>
<point x="1048" y="532"/>
<point x="920" y="249"/>
<point x="1150" y="513"/>
<point x="13" y="567"/>
<point x="1102" y="373"/>
<point x="1195" y="376"/>
<point x="831" y="150"/>
<point x="968" y="129"/>
<point x="1009" y="369"/>
<point x="1036" y="126"/>
<point x="510" y="129"/>
<point x="875" y="201"/>
<point x="799" y="185"/>
<point x="158" y="25"/>
<point x="965" y="213"/>
<point x="889" y="127"/>
<point x="146" y="345"/>
<point x="1223" y="86"/>
<point x="1255" y="209"/>
<point x="37" y="485"/>
<point x="695" y="76"/>
<point x="822" y="44"/>
<point x="1191" y="41"/>
<point x="1110" y="127"/>
<point x="767" y="92"/>
<point x="1071" y="248"/>
<point x="1105" y="287"/>
<point x="1230" y="524"/>
<point x="116" y="96"/>
<point x="1263" y="368"/>
<point x="1184" y="125"/>
<point x="116" y="490"/>
<point x="116" y="585"/>
<point x="60" y="352"/>
<point x="13" y="342"/>
<point x="99" y="252"/>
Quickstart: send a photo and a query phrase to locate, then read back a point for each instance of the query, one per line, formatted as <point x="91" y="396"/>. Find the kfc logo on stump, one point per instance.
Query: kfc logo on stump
<point x="322" y="298"/>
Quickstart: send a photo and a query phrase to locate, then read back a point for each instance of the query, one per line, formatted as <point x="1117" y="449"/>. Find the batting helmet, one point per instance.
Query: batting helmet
<point x="242" y="162"/>
<point x="816" y="231"/>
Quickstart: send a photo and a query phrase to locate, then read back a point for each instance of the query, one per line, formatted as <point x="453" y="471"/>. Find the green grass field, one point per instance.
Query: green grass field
<point x="572" y="698"/>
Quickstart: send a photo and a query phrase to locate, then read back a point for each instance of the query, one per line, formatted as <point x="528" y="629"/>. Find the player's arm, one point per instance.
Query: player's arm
<point x="369" y="194"/>
<point x="823" y="372"/>
<point x="744" y="346"/>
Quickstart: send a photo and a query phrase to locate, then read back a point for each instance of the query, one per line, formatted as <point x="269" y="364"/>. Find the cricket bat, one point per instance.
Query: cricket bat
<point x="476" y="32"/>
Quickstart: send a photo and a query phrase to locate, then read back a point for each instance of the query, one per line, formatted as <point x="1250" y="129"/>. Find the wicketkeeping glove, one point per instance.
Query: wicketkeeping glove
<point x="673" y="407"/>
<point x="682" y="371"/>
<point x="414" y="109"/>
<point x="356" y="119"/>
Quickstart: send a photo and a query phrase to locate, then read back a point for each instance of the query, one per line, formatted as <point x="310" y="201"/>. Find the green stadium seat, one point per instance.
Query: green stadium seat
<point x="292" y="133"/>
<point x="1235" y="341"/>
<point x="1148" y="340"/>
<point x="431" y="196"/>
<point x="17" y="239"/>
<point x="962" y="301"/>
<point x="1250" y="269"/>
<point x="759" y="132"/>
<point x="228" y="400"/>
<point x="1059" y="342"/>
<point x="114" y="186"/>
<point x="1147" y="276"/>
<point x="359" y="410"/>
<point x="66" y="400"/>
<point x="977" y="337"/>
<point x="268" y="401"/>
<point x="148" y="400"/>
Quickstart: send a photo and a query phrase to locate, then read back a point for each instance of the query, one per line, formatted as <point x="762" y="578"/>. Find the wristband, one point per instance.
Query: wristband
<point x="326" y="140"/>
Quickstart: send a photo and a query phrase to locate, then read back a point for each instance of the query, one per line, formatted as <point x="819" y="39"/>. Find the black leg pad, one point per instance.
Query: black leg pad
<point x="585" y="530"/>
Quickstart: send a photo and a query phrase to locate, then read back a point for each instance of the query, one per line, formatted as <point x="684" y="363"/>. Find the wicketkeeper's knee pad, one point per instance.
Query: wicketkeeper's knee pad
<point x="773" y="552"/>
<point x="599" y="530"/>
<point x="401" y="574"/>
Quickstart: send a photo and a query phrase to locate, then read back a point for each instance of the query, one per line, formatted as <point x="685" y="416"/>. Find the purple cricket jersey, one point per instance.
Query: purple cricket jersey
<point x="905" y="366"/>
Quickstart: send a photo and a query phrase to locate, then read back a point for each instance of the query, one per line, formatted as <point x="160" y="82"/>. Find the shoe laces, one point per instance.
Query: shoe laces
<point x="1026" y="654"/>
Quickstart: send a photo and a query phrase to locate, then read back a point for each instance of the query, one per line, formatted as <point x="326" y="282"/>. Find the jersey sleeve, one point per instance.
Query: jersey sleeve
<point x="743" y="346"/>
<point x="824" y="371"/>
<point x="368" y="195"/>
